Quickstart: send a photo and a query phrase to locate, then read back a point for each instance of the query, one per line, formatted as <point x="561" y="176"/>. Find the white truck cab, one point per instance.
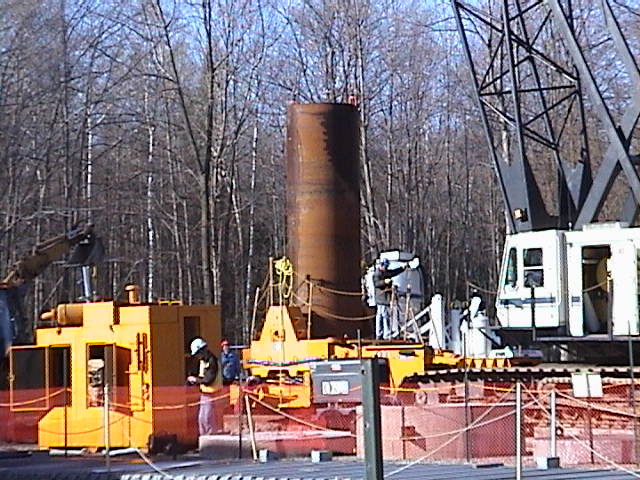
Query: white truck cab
<point x="580" y="282"/>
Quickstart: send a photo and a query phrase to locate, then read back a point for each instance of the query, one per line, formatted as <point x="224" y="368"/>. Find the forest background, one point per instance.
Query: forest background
<point x="163" y="123"/>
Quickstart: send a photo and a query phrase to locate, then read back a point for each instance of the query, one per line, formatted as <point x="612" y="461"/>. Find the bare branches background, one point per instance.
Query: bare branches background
<point x="162" y="122"/>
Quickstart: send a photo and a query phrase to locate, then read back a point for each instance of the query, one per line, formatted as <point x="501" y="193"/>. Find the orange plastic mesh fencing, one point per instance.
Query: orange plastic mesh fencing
<point x="450" y="422"/>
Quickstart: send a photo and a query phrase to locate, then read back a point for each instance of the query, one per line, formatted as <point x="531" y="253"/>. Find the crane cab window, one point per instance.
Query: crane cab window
<point x="533" y="269"/>
<point x="511" y="275"/>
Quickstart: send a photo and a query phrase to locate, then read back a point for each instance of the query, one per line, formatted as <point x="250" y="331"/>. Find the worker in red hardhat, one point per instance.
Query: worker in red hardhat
<point x="230" y="364"/>
<point x="207" y="373"/>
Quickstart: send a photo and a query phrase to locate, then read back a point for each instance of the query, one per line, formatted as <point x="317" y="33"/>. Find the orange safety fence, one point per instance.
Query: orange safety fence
<point x="431" y="422"/>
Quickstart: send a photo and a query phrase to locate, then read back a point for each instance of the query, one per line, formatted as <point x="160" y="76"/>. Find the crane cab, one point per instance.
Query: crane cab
<point x="571" y="283"/>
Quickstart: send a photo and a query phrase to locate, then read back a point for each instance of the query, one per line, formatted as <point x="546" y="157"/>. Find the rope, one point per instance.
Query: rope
<point x="317" y="284"/>
<point x="284" y="270"/>
<point x="349" y="319"/>
<point x="474" y="424"/>
<point x="83" y="432"/>
<point x="33" y="400"/>
<point x="480" y="289"/>
<point x="338" y="292"/>
<point x="129" y="405"/>
<point x="581" y="443"/>
<point x="440" y="447"/>
<point x="147" y="460"/>
<point x="304" y="303"/>
<point x="598" y="407"/>
<point x="291" y="417"/>
<point x="593" y="287"/>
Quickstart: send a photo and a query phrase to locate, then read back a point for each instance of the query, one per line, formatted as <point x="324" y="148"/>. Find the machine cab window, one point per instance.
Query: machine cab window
<point x="533" y="267"/>
<point x="511" y="273"/>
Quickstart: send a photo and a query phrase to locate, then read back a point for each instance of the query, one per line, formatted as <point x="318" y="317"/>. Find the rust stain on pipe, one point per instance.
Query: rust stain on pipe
<point x="323" y="212"/>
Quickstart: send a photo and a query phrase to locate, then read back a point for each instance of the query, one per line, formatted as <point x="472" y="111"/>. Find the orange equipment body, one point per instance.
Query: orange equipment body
<point x="139" y="350"/>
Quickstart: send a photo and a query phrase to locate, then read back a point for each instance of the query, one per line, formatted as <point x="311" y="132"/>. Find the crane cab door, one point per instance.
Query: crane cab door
<point x="529" y="291"/>
<point x="580" y="302"/>
<point x="624" y="286"/>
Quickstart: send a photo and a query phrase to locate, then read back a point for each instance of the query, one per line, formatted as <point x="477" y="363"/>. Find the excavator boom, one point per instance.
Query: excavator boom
<point x="43" y="254"/>
<point x="14" y="285"/>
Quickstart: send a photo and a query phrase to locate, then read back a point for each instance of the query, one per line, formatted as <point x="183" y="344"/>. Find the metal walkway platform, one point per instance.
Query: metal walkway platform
<point x="40" y="466"/>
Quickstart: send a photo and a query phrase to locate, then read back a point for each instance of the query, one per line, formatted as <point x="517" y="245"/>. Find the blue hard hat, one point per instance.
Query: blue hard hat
<point x="385" y="262"/>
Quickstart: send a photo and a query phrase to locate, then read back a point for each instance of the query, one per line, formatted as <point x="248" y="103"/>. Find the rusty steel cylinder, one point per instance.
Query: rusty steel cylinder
<point x="323" y="215"/>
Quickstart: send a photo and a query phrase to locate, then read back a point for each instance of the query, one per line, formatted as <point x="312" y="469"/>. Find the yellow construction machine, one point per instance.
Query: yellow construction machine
<point x="289" y="368"/>
<point x="101" y="373"/>
<point x="132" y="354"/>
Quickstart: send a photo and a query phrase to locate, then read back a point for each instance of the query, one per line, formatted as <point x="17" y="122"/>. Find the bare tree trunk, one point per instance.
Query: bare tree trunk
<point x="367" y="201"/>
<point x="151" y="234"/>
<point x="252" y="208"/>
<point x="180" y="252"/>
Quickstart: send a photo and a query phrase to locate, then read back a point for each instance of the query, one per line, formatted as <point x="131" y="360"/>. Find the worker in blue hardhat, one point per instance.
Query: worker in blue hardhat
<point x="205" y="378"/>
<point x="230" y="363"/>
<point x="383" y="283"/>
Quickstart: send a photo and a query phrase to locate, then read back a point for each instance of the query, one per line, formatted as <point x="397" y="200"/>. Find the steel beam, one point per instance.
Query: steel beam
<point x="617" y="143"/>
<point x="607" y="172"/>
<point x="511" y="222"/>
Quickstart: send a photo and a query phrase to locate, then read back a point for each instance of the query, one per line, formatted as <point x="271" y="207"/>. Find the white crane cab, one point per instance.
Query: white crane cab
<point x="579" y="283"/>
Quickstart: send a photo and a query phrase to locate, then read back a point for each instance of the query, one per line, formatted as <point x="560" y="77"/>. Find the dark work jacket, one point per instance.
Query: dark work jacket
<point x="207" y="371"/>
<point x="383" y="289"/>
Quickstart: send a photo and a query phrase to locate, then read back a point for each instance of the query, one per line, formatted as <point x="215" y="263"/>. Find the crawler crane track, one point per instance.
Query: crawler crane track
<point x="522" y="373"/>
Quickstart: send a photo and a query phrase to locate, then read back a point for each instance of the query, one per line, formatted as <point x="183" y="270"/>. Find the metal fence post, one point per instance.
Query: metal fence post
<point x="518" y="428"/>
<point x="65" y="372"/>
<point x="467" y="440"/>
<point x="590" y="433"/>
<point x="552" y="427"/>
<point x="107" y="433"/>
<point x="632" y="399"/>
<point x="371" y="419"/>
<point x="240" y="406"/>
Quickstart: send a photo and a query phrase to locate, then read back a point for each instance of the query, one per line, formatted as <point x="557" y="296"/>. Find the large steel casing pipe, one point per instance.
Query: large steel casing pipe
<point x="323" y="213"/>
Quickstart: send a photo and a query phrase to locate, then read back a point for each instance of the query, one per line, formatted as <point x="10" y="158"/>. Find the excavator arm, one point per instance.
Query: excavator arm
<point x="14" y="285"/>
<point x="30" y="266"/>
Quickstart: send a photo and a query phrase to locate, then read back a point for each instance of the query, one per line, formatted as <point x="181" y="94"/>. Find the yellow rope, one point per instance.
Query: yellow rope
<point x="303" y="303"/>
<point x="340" y="317"/>
<point x="284" y="270"/>
<point x="339" y="292"/>
<point x="33" y="400"/>
<point x="93" y="430"/>
<point x="291" y="417"/>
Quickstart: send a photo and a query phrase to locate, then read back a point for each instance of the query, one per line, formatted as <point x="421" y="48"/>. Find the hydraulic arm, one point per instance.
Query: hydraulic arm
<point x="13" y="286"/>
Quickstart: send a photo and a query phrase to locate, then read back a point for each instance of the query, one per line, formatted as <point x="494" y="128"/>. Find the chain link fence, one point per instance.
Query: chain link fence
<point x="465" y="422"/>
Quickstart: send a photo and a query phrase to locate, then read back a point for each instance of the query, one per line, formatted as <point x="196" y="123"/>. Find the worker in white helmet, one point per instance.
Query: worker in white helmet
<point x="383" y="283"/>
<point x="207" y="373"/>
